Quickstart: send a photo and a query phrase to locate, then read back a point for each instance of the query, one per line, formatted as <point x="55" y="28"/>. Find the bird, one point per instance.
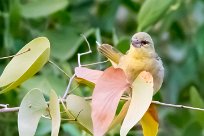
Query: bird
<point x="141" y="56"/>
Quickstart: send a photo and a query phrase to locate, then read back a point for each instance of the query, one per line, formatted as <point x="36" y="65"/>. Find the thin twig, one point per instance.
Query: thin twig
<point x="51" y="62"/>
<point x="16" y="109"/>
<point x="79" y="65"/>
<point x="74" y="88"/>
<point x="11" y="56"/>
<point x="67" y="111"/>
<point x="4" y="105"/>
<point x="84" y="53"/>
<point x="13" y="109"/>
<point x="169" y="105"/>
<point x="101" y="62"/>
<point x="68" y="86"/>
<point x="177" y="106"/>
<point x="65" y="108"/>
<point x="68" y="119"/>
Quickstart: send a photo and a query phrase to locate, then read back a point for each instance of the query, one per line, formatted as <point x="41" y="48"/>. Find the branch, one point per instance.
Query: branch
<point x="16" y="109"/>
<point x="11" y="56"/>
<point x="88" y="52"/>
<point x="84" y="53"/>
<point x="13" y="109"/>
<point x="177" y="106"/>
<point x="68" y="86"/>
<point x="54" y="64"/>
<point x="79" y="65"/>
<point x="162" y="104"/>
<point x="100" y="62"/>
<point x="170" y="105"/>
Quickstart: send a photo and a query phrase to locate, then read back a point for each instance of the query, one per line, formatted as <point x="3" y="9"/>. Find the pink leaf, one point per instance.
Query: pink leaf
<point x="106" y="96"/>
<point x="88" y="74"/>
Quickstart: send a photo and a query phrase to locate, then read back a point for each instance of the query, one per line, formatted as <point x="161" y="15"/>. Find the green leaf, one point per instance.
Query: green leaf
<point x="142" y="92"/>
<point x="25" y="65"/>
<point x="81" y="108"/>
<point x="197" y="101"/>
<point x="42" y="8"/>
<point x="31" y="109"/>
<point x="54" y="109"/>
<point x="150" y="12"/>
<point x="65" y="42"/>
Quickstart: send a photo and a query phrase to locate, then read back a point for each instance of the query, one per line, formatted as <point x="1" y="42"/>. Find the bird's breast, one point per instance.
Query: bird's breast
<point x="132" y="66"/>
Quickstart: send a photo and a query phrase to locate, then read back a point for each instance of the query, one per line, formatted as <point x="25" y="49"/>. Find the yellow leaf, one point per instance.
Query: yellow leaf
<point x="150" y="122"/>
<point x="80" y="109"/>
<point x="54" y="113"/>
<point x="23" y="66"/>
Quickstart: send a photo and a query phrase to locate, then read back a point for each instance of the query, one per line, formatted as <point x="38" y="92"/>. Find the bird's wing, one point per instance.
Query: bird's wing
<point x="110" y="52"/>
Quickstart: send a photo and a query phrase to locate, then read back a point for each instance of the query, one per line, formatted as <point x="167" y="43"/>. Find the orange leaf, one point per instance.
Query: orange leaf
<point x="150" y="122"/>
<point x="106" y="96"/>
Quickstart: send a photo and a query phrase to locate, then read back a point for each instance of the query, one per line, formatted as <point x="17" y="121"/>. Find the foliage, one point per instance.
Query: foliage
<point x="177" y="28"/>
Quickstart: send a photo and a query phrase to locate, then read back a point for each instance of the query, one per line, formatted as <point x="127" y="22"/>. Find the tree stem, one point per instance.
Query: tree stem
<point x="16" y="109"/>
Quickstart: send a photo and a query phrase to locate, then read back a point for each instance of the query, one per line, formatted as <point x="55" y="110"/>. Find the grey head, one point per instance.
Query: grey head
<point x="142" y="40"/>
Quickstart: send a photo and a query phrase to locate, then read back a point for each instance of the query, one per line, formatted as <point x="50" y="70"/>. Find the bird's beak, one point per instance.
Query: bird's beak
<point x="136" y="43"/>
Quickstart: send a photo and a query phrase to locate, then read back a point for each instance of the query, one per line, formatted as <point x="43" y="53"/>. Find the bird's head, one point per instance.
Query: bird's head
<point x="142" y="40"/>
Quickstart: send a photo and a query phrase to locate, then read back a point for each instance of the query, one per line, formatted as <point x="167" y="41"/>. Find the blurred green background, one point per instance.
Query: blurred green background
<point x="177" y="29"/>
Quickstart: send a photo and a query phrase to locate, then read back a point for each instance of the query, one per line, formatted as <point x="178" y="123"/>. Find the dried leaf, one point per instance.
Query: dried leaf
<point x="142" y="92"/>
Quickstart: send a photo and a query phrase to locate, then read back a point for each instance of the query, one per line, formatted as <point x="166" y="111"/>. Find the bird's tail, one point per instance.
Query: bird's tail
<point x="110" y="52"/>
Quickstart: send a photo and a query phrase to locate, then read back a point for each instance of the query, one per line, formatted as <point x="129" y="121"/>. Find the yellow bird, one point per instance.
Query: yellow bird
<point x="140" y="57"/>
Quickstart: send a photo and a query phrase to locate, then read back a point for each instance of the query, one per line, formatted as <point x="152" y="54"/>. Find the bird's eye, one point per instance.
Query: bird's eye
<point x="144" y="42"/>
